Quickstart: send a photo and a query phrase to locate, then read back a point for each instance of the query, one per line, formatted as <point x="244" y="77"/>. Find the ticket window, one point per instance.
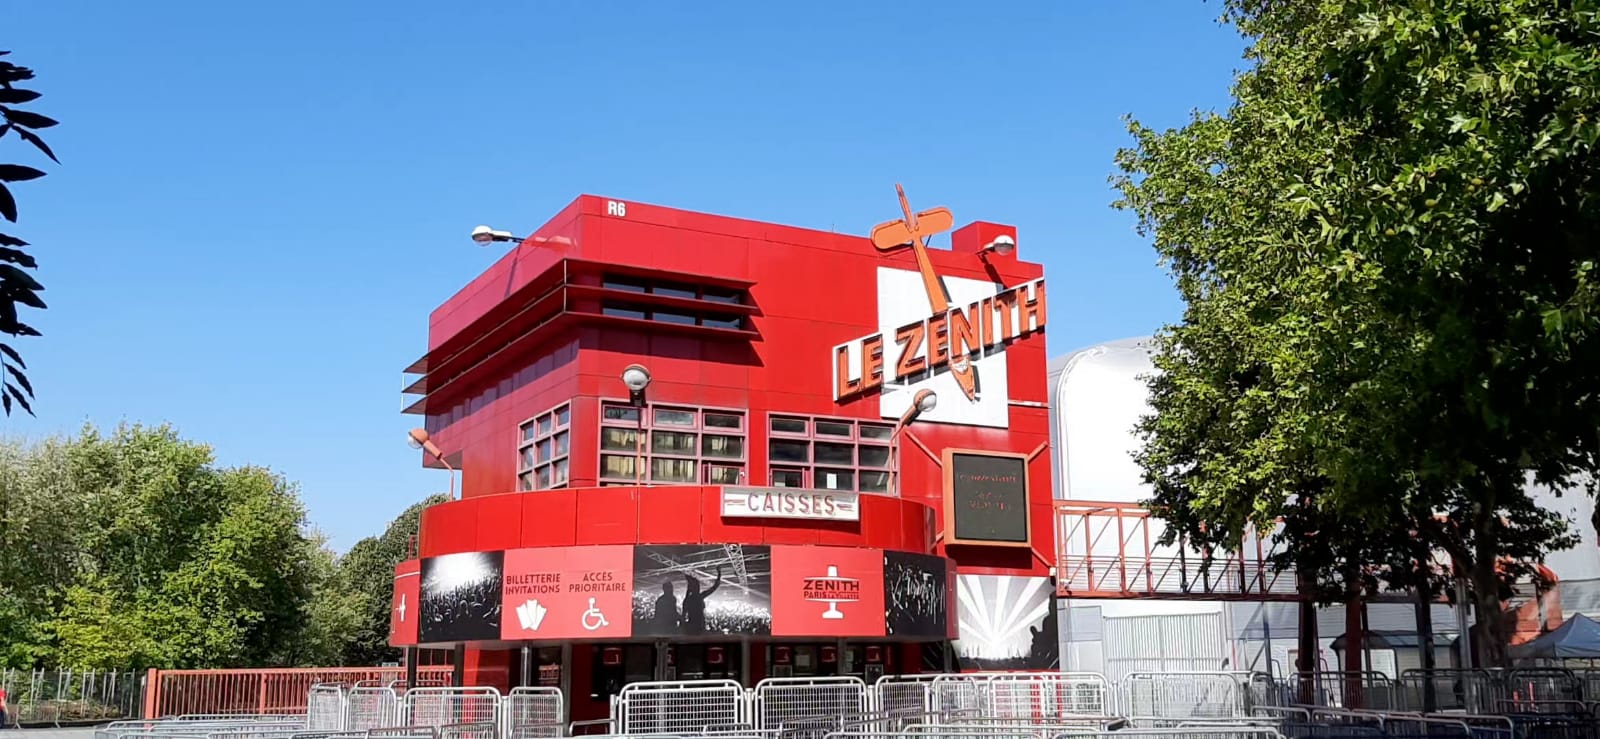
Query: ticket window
<point x="616" y="665"/>
<point x="804" y="660"/>
<point x="704" y="662"/>
<point x="867" y="661"/>
<point x="537" y="666"/>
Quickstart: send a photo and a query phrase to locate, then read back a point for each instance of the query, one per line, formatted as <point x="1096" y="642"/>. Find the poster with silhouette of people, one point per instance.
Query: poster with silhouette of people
<point x="1007" y="623"/>
<point x="915" y="595"/>
<point x="702" y="590"/>
<point x="460" y="597"/>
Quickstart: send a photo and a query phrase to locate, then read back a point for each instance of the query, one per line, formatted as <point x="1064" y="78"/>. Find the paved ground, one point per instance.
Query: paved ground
<point x="48" y="734"/>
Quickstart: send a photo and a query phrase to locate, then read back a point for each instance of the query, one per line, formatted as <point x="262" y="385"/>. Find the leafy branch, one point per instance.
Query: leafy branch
<point x="17" y="286"/>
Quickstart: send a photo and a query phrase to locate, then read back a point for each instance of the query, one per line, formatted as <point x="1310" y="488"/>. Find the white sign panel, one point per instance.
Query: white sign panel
<point x="816" y="505"/>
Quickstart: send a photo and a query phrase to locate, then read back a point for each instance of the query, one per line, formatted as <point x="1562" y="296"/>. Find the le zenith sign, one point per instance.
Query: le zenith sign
<point x="949" y="336"/>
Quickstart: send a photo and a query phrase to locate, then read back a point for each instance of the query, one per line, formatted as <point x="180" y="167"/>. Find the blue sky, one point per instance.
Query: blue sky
<point x="259" y="203"/>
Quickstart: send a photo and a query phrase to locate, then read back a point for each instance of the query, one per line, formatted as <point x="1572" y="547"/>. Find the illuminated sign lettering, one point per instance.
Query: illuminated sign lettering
<point x="954" y="338"/>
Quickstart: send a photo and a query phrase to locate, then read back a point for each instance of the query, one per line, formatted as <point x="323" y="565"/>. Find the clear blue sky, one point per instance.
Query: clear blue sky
<point x="259" y="203"/>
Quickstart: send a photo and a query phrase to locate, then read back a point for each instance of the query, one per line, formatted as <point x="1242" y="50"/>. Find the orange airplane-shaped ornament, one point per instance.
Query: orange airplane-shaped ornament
<point x="913" y="230"/>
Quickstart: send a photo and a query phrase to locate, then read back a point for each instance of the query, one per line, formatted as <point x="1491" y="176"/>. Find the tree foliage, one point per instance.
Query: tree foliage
<point x="17" y="286"/>
<point x="366" y="579"/>
<point x="1387" y="248"/>
<point x="134" y="549"/>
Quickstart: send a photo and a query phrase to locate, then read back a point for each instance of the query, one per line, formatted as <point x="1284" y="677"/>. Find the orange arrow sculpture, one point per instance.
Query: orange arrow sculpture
<point x="913" y="230"/>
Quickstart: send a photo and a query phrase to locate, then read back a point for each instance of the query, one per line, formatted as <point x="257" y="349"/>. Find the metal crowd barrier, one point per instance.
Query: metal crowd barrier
<point x="1044" y="705"/>
<point x="1179" y="695"/>
<point x="807" y="708"/>
<point x="682" y="707"/>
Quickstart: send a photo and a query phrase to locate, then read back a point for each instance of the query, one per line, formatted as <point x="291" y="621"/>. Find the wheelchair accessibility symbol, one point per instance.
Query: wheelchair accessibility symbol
<point x="593" y="619"/>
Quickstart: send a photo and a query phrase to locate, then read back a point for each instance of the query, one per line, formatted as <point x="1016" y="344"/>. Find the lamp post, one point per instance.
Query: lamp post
<point x="923" y="402"/>
<point x="418" y="438"/>
<point x="636" y="378"/>
<point x="1002" y="246"/>
<point x="484" y="236"/>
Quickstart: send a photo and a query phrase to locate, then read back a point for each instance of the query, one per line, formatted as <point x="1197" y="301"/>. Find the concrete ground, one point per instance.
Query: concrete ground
<point x="85" y="733"/>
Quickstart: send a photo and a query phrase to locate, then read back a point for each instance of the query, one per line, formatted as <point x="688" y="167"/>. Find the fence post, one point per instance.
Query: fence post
<point x="152" y="692"/>
<point x="261" y="695"/>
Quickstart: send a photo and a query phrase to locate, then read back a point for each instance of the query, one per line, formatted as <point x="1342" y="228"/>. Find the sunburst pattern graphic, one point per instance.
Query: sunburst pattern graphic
<point x="1006" y="622"/>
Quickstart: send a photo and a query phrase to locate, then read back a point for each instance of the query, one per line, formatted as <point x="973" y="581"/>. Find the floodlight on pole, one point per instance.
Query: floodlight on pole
<point x="923" y="402"/>
<point x="418" y="439"/>
<point x="1002" y="245"/>
<point x="636" y="378"/>
<point x="484" y="236"/>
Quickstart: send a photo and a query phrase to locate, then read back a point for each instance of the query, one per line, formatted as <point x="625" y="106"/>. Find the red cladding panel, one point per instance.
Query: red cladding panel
<point x="827" y="591"/>
<point x="659" y="515"/>
<point x="403" y="605"/>
<point x="568" y="593"/>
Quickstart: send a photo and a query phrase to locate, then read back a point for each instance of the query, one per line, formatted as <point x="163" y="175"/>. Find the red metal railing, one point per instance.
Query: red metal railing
<point x="1109" y="550"/>
<point x="180" y="692"/>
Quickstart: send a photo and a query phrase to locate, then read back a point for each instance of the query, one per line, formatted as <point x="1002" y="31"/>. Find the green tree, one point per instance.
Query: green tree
<point x="331" y="617"/>
<point x="17" y="287"/>
<point x="1387" y="247"/>
<point x="134" y="549"/>
<point x="366" y="573"/>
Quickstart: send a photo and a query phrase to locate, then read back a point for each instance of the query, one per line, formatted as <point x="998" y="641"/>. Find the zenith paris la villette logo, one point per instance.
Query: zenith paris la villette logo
<point x="943" y="349"/>
<point x="832" y="590"/>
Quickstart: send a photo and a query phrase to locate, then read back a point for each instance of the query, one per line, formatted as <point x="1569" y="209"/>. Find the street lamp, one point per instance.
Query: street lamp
<point x="418" y="439"/>
<point x="636" y="378"/>
<point x="923" y="402"/>
<point x="1002" y="245"/>
<point x="485" y="236"/>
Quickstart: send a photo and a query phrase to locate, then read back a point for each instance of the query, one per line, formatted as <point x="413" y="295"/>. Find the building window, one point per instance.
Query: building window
<point x="544" y="449"/>
<point x="680" y="445"/>
<point x="828" y="453"/>
<point x="625" y="308"/>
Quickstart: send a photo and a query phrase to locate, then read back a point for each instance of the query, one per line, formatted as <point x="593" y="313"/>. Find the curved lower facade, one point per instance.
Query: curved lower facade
<point x="693" y="446"/>
<point x="640" y="563"/>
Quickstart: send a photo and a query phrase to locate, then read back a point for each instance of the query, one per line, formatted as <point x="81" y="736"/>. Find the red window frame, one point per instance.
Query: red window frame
<point x="533" y="460"/>
<point x="809" y="470"/>
<point x="708" y="469"/>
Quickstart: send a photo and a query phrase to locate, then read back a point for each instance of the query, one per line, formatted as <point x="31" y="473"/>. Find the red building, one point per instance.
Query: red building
<point x="776" y="494"/>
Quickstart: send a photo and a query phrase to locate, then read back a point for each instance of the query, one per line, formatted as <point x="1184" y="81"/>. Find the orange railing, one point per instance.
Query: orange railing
<point x="180" y="692"/>
<point x="1112" y="550"/>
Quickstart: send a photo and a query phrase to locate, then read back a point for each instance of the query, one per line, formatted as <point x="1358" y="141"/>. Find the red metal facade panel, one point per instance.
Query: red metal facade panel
<point x="656" y="515"/>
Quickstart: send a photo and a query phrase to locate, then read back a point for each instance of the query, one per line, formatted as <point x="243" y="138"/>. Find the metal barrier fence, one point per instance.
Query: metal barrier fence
<point x="325" y="707"/>
<point x="1370" y="690"/>
<point x="533" y="713"/>
<point x="40" y="697"/>
<point x="1177" y="695"/>
<point x="441" y="707"/>
<point x="372" y="707"/>
<point x="693" y="706"/>
<point x="807" y="708"/>
<point x="1022" y="694"/>
<point x="1188" y="705"/>
<point x="899" y="699"/>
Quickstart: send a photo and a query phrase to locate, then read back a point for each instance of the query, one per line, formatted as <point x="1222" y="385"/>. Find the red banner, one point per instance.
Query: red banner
<point x="568" y="593"/>
<point x="403" y="609"/>
<point x="827" y="591"/>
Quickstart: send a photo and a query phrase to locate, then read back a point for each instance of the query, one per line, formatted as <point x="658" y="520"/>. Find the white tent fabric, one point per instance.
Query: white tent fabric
<point x="1578" y="638"/>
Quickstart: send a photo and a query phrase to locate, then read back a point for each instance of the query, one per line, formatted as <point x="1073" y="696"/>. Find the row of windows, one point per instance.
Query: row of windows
<point x="680" y="316"/>
<point x="665" y="444"/>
